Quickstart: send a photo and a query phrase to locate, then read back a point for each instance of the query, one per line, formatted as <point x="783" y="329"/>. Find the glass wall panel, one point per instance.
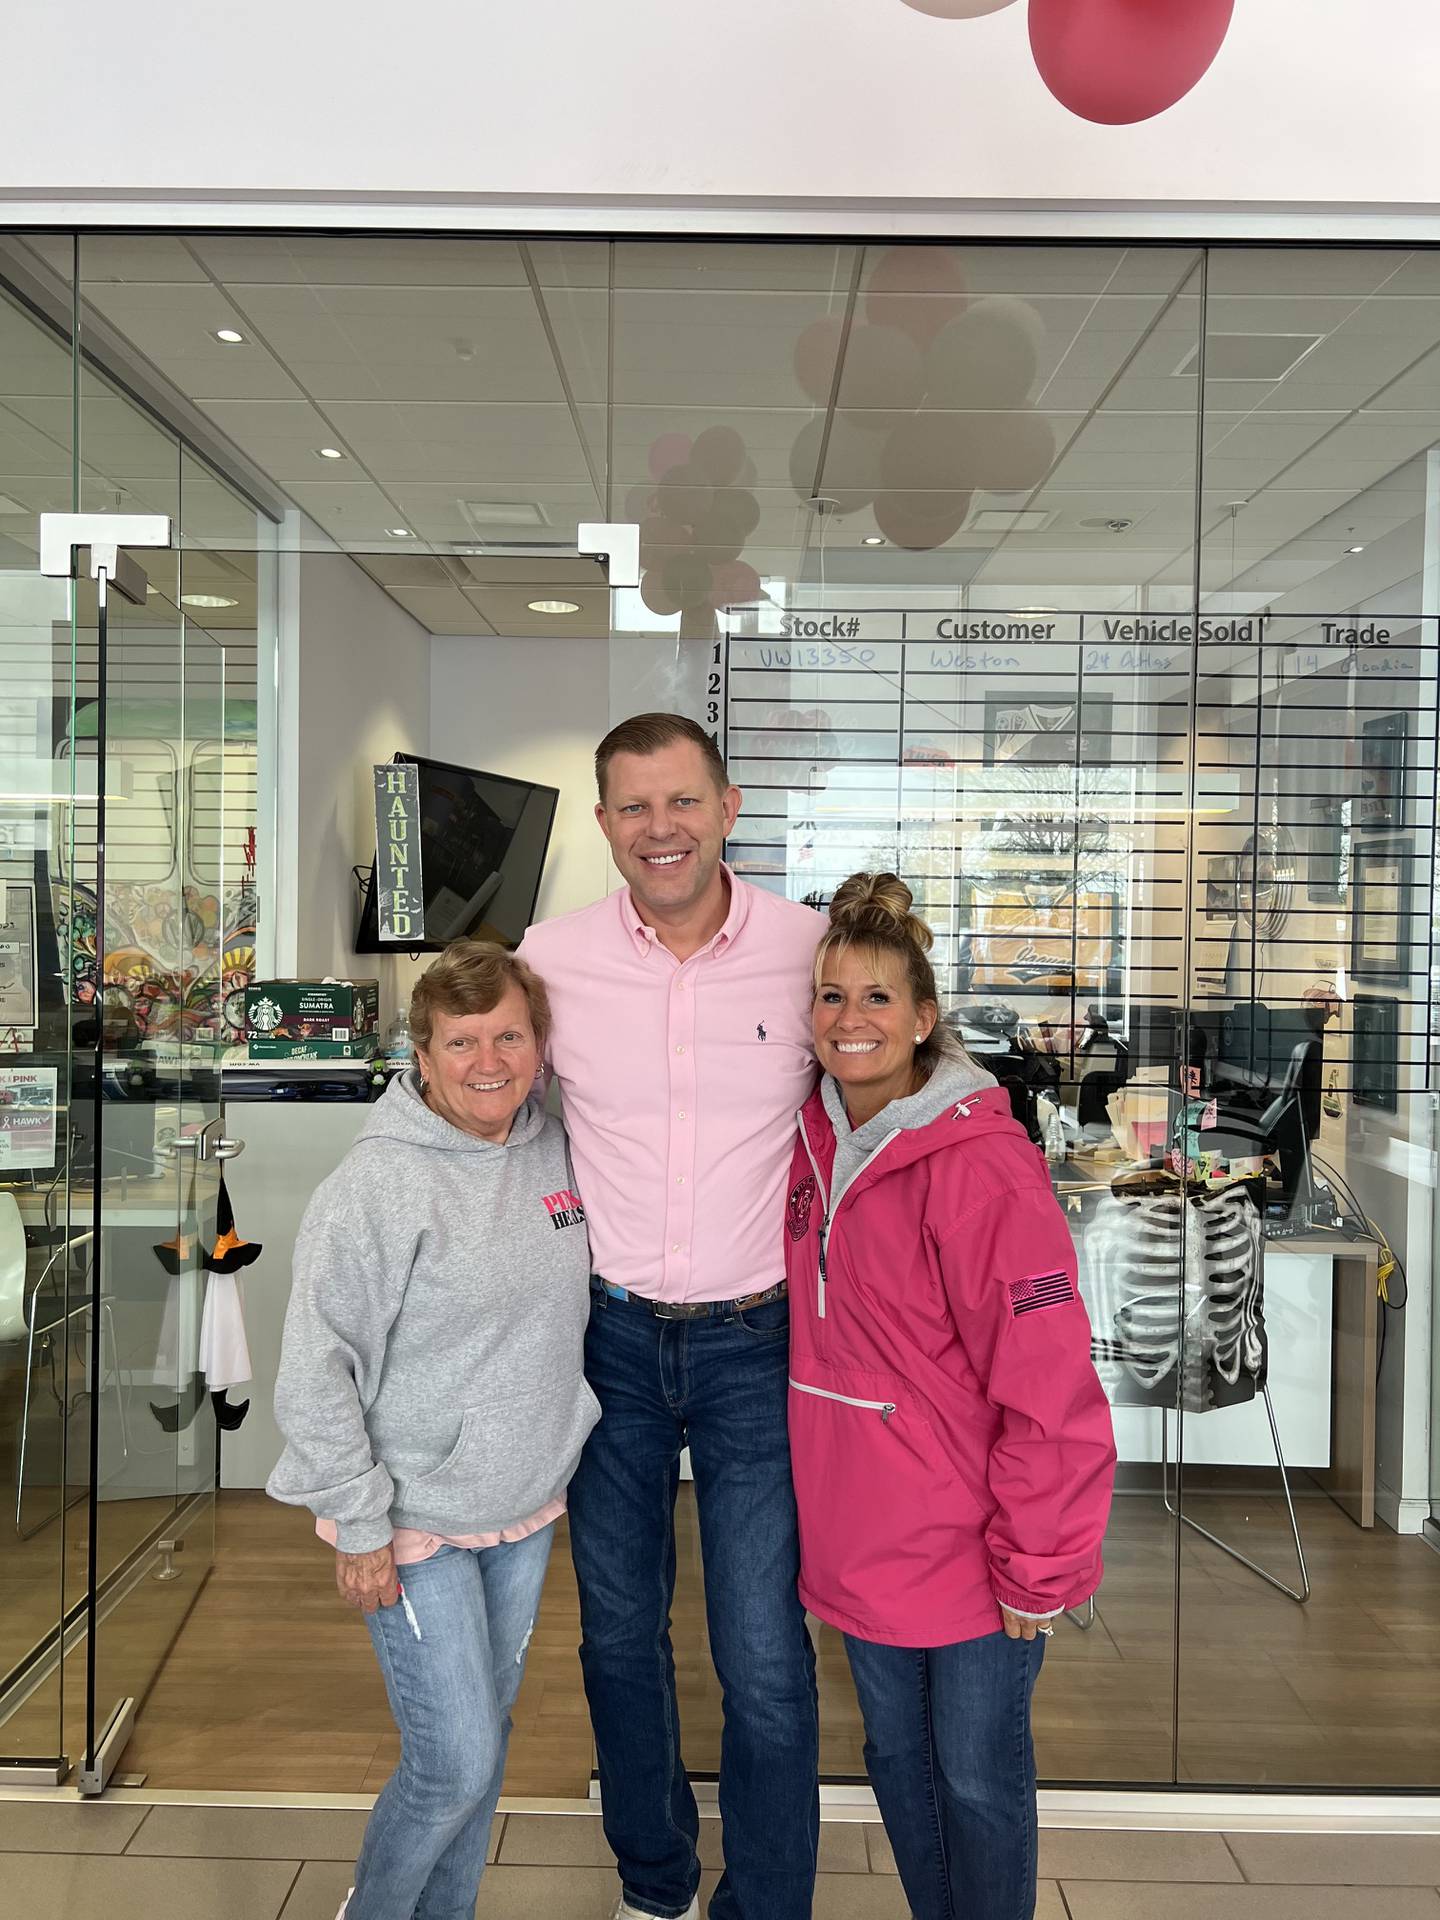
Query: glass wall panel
<point x="1311" y="901"/>
<point x="974" y="478"/>
<point x="43" y="1315"/>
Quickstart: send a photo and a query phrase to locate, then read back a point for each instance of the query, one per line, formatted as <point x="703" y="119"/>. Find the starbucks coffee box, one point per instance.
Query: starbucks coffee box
<point x="261" y="1049"/>
<point x="342" y="1011"/>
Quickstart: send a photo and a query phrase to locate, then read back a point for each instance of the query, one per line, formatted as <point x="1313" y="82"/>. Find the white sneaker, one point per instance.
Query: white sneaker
<point x="624" y="1911"/>
<point x="343" y="1905"/>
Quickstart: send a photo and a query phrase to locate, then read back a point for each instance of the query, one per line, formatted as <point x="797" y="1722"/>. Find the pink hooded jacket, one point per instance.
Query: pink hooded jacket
<point x="950" y="1439"/>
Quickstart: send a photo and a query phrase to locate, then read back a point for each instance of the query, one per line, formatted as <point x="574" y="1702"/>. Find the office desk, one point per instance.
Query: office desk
<point x="1350" y="1477"/>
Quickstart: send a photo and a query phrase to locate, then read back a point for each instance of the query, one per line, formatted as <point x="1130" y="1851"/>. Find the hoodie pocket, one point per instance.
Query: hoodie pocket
<point x="881" y="1506"/>
<point x="510" y="1457"/>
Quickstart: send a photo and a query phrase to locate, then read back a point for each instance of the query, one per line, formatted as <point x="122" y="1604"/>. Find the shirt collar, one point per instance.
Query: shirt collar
<point x="644" y="937"/>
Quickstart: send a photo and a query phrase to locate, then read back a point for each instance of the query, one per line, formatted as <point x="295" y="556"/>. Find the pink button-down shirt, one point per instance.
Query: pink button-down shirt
<point x="681" y="1085"/>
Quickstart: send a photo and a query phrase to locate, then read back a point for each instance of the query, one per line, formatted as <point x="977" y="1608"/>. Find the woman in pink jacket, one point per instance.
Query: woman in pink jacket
<point x="951" y="1442"/>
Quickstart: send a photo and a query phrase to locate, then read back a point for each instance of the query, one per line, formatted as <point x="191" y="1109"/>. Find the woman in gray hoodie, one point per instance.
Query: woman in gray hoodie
<point x="433" y="1401"/>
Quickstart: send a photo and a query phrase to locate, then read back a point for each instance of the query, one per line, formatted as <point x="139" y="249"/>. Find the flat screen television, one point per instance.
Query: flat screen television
<point x="483" y="841"/>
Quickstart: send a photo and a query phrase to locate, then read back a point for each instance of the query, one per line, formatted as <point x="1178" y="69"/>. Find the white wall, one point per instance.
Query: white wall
<point x="535" y="709"/>
<point x="864" y="101"/>
<point x="364" y="692"/>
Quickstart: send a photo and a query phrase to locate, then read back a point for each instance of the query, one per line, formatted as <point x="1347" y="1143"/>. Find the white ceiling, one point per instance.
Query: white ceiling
<point x="452" y="372"/>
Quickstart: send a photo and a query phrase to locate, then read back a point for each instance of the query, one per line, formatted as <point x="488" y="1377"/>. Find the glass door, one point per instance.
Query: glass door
<point x="156" y="880"/>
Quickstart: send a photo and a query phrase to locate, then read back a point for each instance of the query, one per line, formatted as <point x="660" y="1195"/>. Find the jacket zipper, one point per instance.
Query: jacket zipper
<point x="883" y="1407"/>
<point x="828" y="1221"/>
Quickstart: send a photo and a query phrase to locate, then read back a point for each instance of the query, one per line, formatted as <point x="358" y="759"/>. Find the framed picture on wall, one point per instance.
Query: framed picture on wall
<point x="1376" y="1056"/>
<point x="1380" y="909"/>
<point x="1034" y="729"/>
<point x="1326" y="864"/>
<point x="1380" y="795"/>
<point x="1221" y="874"/>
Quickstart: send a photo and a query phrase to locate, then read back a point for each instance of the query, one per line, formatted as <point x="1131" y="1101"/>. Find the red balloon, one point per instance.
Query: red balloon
<point x="1119" y="61"/>
<point x="918" y="289"/>
<point x="670" y="450"/>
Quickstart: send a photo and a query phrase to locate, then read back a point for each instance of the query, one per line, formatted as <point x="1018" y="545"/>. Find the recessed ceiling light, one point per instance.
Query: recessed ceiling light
<point x="400" y="533"/>
<point x="207" y="600"/>
<point x="873" y="540"/>
<point x="1359" y="549"/>
<point x="330" y="453"/>
<point x="230" y="336"/>
<point x="554" y="606"/>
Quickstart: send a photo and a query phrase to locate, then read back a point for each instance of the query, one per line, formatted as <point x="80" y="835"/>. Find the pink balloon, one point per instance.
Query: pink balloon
<point x="736" y="585"/>
<point x="1119" y="61"/>
<point x="958" y="9"/>
<point x="815" y="354"/>
<point x="918" y="289"/>
<point x="670" y="450"/>
<point x="718" y="455"/>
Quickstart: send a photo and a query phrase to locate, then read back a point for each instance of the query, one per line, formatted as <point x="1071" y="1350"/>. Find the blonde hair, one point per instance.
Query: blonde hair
<point x="871" y="913"/>
<point x="472" y="976"/>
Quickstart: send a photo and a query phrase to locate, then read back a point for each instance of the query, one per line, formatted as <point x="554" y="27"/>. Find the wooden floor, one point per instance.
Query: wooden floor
<point x="271" y="1684"/>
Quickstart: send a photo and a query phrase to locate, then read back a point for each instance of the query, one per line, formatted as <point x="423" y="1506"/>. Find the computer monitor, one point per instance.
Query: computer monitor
<point x="483" y="841"/>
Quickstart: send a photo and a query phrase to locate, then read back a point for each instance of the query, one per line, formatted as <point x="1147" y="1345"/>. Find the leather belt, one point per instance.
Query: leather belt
<point x="694" y="1309"/>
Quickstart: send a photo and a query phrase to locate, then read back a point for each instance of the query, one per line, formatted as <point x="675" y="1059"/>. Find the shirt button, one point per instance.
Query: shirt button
<point x="679" y="1179"/>
<point x="679" y="1049"/>
<point x="676" y="1247"/>
<point x="681" y="1114"/>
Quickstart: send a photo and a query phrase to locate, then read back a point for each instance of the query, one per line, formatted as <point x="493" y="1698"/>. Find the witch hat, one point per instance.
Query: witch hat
<point x="230" y="1252"/>
<point x="174" y="1255"/>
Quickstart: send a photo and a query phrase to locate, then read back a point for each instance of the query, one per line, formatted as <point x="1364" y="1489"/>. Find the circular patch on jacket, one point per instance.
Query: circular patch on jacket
<point x="797" y="1210"/>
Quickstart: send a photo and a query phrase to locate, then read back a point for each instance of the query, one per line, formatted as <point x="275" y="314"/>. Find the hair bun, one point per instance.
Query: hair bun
<point x="868" y="905"/>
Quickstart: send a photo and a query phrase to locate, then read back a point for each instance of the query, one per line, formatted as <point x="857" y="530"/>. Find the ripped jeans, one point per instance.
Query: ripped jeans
<point x="452" y="1666"/>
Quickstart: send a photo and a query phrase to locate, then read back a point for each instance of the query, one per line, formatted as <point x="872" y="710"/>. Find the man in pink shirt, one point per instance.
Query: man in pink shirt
<point x="681" y="1044"/>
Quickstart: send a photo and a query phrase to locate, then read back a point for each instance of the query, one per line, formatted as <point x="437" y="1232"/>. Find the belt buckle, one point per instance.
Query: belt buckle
<point x="672" y="1310"/>
<point x="761" y="1299"/>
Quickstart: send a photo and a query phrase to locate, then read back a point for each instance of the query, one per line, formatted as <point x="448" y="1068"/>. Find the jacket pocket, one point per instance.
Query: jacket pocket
<point x="882" y="1508"/>
<point x="510" y="1457"/>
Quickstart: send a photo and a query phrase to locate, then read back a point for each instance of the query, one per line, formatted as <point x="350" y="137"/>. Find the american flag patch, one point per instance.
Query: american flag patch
<point x="1041" y="1291"/>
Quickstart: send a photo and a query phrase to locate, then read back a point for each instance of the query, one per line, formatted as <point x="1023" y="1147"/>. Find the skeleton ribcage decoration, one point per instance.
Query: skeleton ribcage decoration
<point x="1174" y="1289"/>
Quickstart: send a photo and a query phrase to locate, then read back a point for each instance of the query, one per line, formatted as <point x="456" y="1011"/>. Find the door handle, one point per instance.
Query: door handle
<point x="203" y="1146"/>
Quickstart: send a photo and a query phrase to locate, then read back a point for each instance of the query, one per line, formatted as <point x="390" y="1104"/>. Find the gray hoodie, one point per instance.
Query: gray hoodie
<point x="955" y="1074"/>
<point x="432" y="1374"/>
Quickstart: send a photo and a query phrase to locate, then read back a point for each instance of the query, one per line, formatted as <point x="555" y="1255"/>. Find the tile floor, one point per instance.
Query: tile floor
<point x="125" y="1861"/>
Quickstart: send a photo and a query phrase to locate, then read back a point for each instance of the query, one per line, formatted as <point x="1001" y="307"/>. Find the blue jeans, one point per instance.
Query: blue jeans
<point x="451" y="1691"/>
<point x="948" y="1751"/>
<point x="718" y="1383"/>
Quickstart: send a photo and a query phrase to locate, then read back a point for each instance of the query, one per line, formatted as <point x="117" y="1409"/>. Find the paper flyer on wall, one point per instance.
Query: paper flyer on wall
<point x="27" y="1116"/>
<point x="17" y="954"/>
